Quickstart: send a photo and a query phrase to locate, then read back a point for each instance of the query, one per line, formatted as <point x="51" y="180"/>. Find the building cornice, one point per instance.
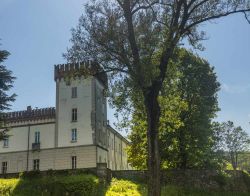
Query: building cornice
<point x="118" y="134"/>
<point x="43" y="149"/>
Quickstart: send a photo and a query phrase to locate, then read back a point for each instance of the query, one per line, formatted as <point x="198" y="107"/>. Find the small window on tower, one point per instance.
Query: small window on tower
<point x="74" y="115"/>
<point x="74" y="92"/>
<point x="6" y="142"/>
<point x="37" y="137"/>
<point x="73" y="135"/>
<point x="73" y="162"/>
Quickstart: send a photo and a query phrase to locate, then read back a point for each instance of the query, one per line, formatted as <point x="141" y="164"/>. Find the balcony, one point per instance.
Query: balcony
<point x="35" y="146"/>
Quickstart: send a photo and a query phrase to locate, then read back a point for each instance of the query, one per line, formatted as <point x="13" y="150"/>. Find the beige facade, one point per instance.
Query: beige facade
<point x="117" y="155"/>
<point x="75" y="134"/>
<point x="54" y="158"/>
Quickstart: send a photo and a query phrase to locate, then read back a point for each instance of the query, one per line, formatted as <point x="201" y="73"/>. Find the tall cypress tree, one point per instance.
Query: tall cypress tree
<point x="6" y="83"/>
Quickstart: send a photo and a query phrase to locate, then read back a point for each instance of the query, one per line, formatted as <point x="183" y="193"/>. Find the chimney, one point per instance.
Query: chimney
<point x="29" y="108"/>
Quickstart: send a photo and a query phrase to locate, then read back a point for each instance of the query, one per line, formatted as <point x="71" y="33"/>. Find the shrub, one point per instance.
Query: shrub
<point x="57" y="185"/>
<point x="7" y="186"/>
<point x="30" y="174"/>
<point x="125" y="187"/>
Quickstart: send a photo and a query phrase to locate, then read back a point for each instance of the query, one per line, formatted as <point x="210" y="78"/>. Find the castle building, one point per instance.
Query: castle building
<point x="74" y="134"/>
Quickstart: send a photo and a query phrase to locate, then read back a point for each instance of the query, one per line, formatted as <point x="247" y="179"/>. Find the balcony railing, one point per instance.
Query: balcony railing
<point x="35" y="146"/>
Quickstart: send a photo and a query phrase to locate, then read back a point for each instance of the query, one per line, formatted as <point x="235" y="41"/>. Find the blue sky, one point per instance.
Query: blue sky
<point x="37" y="32"/>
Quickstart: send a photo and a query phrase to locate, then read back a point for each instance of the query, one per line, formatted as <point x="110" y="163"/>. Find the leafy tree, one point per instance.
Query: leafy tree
<point x="198" y="86"/>
<point x="123" y="37"/>
<point x="233" y="141"/>
<point x="244" y="161"/>
<point x="188" y="103"/>
<point x="6" y="83"/>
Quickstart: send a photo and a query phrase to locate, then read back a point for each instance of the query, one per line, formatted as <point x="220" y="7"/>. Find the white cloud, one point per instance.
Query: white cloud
<point x="235" y="89"/>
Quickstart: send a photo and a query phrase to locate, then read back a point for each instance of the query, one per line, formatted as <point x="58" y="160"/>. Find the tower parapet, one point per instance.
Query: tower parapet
<point x="87" y="68"/>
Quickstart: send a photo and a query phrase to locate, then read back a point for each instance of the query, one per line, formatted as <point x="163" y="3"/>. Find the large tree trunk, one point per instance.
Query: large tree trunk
<point x="233" y="161"/>
<point x="153" y="117"/>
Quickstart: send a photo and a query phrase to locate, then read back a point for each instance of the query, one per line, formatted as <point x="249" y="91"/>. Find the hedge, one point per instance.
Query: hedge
<point x="58" y="185"/>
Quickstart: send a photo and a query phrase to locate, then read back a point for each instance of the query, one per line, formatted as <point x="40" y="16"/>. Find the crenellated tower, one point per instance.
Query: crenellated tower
<point x="81" y="111"/>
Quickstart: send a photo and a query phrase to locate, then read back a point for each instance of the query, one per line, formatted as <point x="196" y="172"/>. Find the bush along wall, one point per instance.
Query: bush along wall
<point x="53" y="185"/>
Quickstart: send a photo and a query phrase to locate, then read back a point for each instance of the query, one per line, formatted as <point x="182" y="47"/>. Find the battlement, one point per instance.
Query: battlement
<point x="30" y="114"/>
<point x="87" y="68"/>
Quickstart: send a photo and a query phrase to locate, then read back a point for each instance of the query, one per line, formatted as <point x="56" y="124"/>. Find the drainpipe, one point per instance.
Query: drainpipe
<point x="28" y="149"/>
<point x="114" y="153"/>
<point x="121" y="156"/>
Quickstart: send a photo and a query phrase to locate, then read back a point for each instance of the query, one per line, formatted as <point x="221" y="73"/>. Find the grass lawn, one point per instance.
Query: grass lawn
<point x="129" y="188"/>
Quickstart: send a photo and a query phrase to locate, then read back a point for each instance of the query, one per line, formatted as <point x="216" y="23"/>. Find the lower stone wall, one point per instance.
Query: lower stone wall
<point x="55" y="159"/>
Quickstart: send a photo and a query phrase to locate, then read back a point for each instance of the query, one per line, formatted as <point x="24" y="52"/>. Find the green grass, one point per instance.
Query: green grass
<point x="129" y="188"/>
<point x="177" y="191"/>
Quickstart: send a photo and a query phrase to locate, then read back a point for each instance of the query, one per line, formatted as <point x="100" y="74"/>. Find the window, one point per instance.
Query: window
<point x="37" y="137"/>
<point x="6" y="142"/>
<point x="104" y="137"/>
<point x="36" y="163"/>
<point x="74" y="135"/>
<point x="4" y="167"/>
<point x="74" y="92"/>
<point x="73" y="161"/>
<point x="74" y="114"/>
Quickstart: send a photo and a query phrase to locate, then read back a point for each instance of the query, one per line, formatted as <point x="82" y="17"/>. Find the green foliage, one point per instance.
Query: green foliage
<point x="7" y="186"/>
<point x="129" y="188"/>
<point x="58" y="185"/>
<point x="246" y="178"/>
<point x="188" y="104"/>
<point x="175" y="190"/>
<point x="232" y="142"/>
<point x="244" y="161"/>
<point x="221" y="179"/>
<point x="125" y="187"/>
<point x="6" y="83"/>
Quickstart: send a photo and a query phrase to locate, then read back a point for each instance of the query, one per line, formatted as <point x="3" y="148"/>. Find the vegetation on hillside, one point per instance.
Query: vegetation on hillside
<point x="130" y="188"/>
<point x="231" y="142"/>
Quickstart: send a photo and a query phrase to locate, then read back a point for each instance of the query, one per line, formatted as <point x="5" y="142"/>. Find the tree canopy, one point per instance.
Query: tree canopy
<point x="188" y="105"/>
<point x="6" y="83"/>
<point x="232" y="141"/>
